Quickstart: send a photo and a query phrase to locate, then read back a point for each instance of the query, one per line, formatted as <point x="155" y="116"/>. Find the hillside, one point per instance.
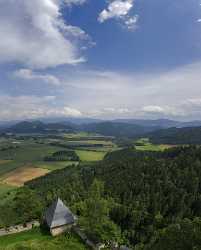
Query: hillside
<point x="143" y="198"/>
<point x="123" y="128"/>
<point x="116" y="129"/>
<point x="167" y="192"/>
<point x="174" y="136"/>
<point x="27" y="127"/>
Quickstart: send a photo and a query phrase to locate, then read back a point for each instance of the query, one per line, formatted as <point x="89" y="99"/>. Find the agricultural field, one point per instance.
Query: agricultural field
<point x="145" y="145"/>
<point x="37" y="240"/>
<point x="86" y="155"/>
<point x="19" y="176"/>
<point x="22" y="158"/>
<point x="55" y="165"/>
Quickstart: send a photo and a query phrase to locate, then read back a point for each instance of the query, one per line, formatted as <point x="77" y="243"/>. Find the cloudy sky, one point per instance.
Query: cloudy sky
<point x="100" y="58"/>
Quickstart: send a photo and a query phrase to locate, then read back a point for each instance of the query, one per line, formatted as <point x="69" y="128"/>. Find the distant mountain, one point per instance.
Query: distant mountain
<point x="116" y="129"/>
<point x="166" y="131"/>
<point x="190" y="124"/>
<point x="187" y="135"/>
<point x="162" y="123"/>
<point x="71" y="120"/>
<point x="26" y="127"/>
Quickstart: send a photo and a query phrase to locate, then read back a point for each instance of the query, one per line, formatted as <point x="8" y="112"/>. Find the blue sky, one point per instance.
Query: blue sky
<point x="100" y="58"/>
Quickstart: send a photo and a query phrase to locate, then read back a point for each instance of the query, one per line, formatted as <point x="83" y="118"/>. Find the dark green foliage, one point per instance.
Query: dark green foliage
<point x="117" y="129"/>
<point x="69" y="155"/>
<point x="95" y="216"/>
<point x="146" y="194"/>
<point x="26" y="127"/>
<point x="27" y="205"/>
<point x="191" y="135"/>
<point x="185" y="235"/>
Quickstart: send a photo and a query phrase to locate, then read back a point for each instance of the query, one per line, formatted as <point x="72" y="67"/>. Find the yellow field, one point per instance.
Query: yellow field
<point x="19" y="176"/>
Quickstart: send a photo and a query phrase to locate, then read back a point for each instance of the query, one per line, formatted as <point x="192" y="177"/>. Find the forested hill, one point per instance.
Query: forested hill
<point x="155" y="198"/>
<point x="189" y="135"/>
<point x="37" y="127"/>
<point x="152" y="129"/>
<point x="117" y="129"/>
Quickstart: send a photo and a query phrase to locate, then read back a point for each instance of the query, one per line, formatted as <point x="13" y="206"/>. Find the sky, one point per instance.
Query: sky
<point x="100" y="59"/>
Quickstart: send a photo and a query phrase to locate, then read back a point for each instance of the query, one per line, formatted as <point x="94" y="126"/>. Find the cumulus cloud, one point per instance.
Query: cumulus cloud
<point x="119" y="9"/>
<point x="33" y="107"/>
<point x="193" y="102"/>
<point x="71" y="2"/>
<point x="172" y="94"/>
<point x="153" y="109"/>
<point x="34" y="33"/>
<point x="161" y="111"/>
<point x="28" y="74"/>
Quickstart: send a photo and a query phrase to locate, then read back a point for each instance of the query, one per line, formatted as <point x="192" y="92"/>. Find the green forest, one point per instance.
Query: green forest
<point x="146" y="200"/>
<point x="176" y="136"/>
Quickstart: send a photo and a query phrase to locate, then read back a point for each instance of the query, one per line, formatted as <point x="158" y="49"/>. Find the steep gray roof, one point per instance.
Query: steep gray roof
<point x="58" y="215"/>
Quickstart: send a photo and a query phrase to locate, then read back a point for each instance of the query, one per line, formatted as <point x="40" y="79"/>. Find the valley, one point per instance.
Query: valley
<point x="120" y="170"/>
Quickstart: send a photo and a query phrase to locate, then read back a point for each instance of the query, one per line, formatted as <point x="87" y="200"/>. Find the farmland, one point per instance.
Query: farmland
<point x="23" y="157"/>
<point x="19" y="176"/>
<point x="144" y="144"/>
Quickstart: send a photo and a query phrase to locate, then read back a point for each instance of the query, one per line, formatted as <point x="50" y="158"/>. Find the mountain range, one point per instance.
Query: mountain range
<point x="161" y="128"/>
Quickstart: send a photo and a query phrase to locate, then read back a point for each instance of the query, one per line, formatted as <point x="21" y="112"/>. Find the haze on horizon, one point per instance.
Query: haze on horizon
<point x="100" y="59"/>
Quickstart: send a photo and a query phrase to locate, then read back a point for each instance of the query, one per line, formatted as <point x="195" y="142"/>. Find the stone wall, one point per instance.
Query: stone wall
<point x="59" y="230"/>
<point x="19" y="228"/>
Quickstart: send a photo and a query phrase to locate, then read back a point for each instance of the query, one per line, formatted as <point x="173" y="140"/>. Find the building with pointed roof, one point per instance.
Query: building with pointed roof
<point x="59" y="218"/>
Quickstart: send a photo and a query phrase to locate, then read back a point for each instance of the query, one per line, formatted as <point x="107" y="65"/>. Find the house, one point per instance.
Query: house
<point x="59" y="218"/>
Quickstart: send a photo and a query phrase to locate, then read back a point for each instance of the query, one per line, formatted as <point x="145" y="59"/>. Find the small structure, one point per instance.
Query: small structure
<point x="124" y="248"/>
<point x="59" y="218"/>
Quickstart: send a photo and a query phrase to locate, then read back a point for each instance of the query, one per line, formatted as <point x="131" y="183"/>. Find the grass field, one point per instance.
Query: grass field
<point x="90" y="155"/>
<point x="35" y="240"/>
<point x="145" y="145"/>
<point x="24" y="155"/>
<point x="55" y="165"/>
<point x="18" y="154"/>
<point x="19" y="176"/>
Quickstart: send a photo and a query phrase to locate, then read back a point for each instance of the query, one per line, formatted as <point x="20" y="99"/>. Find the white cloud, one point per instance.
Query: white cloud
<point x="119" y="9"/>
<point x="173" y="94"/>
<point x="71" y="112"/>
<point x="165" y="94"/>
<point x="153" y="109"/>
<point x="34" y="34"/>
<point x="193" y="102"/>
<point x="131" y="22"/>
<point x="28" y="74"/>
<point x="33" y="107"/>
<point x="71" y="2"/>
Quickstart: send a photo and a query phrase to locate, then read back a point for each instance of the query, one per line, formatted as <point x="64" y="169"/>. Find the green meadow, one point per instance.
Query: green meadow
<point x="145" y="145"/>
<point x="30" y="151"/>
<point x="37" y="240"/>
<point x="86" y="155"/>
